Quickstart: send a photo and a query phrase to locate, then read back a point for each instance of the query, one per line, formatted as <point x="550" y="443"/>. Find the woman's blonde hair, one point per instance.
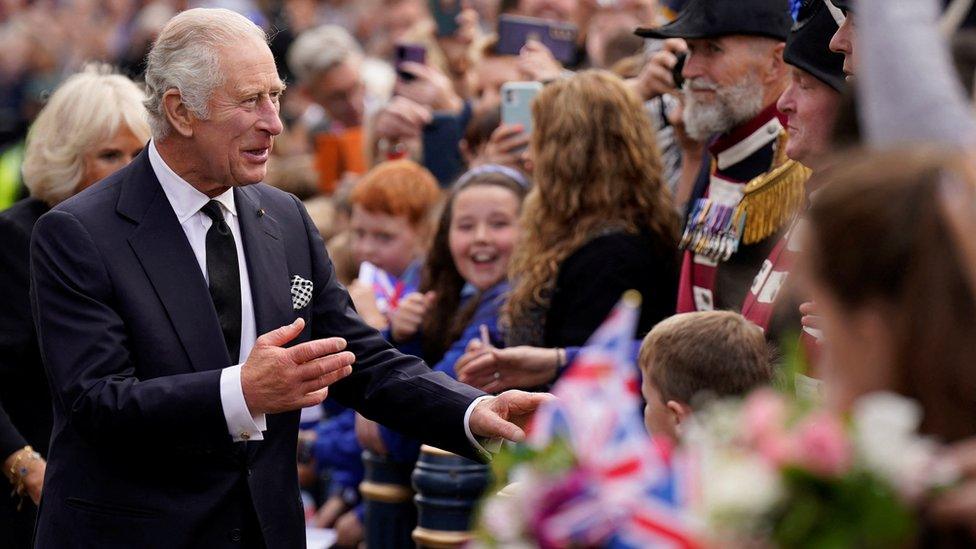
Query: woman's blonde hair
<point x="87" y="109"/>
<point x="596" y="169"/>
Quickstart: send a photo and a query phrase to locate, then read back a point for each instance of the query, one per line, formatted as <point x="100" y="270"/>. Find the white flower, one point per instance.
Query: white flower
<point x="738" y="488"/>
<point x="502" y="518"/>
<point x="888" y="444"/>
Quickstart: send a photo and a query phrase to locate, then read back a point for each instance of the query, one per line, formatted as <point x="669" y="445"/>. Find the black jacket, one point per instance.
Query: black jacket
<point x="141" y="456"/>
<point x="25" y="400"/>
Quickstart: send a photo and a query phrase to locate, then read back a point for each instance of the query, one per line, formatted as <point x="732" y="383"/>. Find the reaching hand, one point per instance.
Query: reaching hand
<point x="656" y="77"/>
<point x="330" y="511"/>
<point x="349" y="530"/>
<point x="537" y="63"/>
<point x="506" y="415"/>
<point x="401" y="119"/>
<point x="429" y="88"/>
<point x="493" y="370"/>
<point x="364" y="299"/>
<point x="810" y="319"/>
<point x="457" y="47"/>
<point x="506" y="146"/>
<point x="409" y="315"/>
<point x="368" y="435"/>
<point x="275" y="379"/>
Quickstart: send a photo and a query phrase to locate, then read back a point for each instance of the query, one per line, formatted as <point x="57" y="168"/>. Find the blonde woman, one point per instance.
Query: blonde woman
<point x="92" y="125"/>
<point x="598" y="221"/>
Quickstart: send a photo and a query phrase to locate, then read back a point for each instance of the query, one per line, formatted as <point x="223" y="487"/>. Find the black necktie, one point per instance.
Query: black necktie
<point x="225" y="278"/>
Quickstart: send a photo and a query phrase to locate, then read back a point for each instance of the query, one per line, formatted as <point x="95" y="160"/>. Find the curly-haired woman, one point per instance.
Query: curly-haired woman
<point x="598" y="221"/>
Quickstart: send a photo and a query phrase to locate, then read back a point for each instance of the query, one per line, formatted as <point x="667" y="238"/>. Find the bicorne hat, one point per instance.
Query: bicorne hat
<point x="808" y="46"/>
<point x="714" y="18"/>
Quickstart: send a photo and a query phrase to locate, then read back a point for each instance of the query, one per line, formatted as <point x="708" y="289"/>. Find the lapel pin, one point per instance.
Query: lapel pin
<point x="261" y="212"/>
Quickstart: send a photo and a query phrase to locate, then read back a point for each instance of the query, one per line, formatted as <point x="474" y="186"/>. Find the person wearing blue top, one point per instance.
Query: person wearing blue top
<point x="465" y="280"/>
<point x="483" y="325"/>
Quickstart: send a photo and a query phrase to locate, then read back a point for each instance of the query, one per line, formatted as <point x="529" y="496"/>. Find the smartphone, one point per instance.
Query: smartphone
<point x="416" y="53"/>
<point x="517" y="103"/>
<point x="445" y="13"/>
<point x="514" y="31"/>
<point x="679" y="80"/>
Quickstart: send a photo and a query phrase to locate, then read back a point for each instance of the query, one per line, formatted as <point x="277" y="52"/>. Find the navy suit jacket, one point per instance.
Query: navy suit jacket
<point x="140" y="454"/>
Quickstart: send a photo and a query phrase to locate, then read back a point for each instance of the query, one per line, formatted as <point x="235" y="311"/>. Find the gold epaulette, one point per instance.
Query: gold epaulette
<point x="771" y="200"/>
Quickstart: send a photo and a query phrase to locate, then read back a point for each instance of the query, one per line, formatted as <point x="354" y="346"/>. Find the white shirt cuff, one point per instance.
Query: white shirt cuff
<point x="241" y="424"/>
<point x="491" y="445"/>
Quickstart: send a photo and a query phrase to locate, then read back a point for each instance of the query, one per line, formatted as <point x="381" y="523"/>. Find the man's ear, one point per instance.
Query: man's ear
<point x="775" y="66"/>
<point x="680" y="412"/>
<point x="177" y="113"/>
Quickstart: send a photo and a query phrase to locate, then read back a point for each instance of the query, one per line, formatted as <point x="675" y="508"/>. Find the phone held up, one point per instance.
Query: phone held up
<point x="416" y="53"/>
<point x="514" y="31"/>
<point x="517" y="103"/>
<point x="445" y="14"/>
<point x="679" y="80"/>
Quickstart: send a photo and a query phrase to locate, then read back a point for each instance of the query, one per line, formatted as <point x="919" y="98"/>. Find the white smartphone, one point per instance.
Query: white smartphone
<point x="517" y="103"/>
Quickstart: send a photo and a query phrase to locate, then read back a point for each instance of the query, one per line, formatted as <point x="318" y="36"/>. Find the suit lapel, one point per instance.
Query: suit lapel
<point x="267" y="265"/>
<point x="161" y="246"/>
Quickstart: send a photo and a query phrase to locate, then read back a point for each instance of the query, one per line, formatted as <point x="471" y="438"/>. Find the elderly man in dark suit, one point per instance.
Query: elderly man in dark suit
<point x="175" y="419"/>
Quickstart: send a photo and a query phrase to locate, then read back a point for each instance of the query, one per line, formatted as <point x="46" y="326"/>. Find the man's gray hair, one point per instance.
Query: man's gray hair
<point x="318" y="50"/>
<point x="186" y="57"/>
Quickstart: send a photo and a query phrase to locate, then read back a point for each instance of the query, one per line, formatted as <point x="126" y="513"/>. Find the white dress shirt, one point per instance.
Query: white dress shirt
<point x="187" y="202"/>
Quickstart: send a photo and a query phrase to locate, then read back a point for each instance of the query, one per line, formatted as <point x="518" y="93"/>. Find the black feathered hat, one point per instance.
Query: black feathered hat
<point x="713" y="18"/>
<point x="808" y="46"/>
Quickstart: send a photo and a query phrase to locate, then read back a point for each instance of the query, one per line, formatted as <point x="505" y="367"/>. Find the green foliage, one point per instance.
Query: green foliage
<point x="857" y="510"/>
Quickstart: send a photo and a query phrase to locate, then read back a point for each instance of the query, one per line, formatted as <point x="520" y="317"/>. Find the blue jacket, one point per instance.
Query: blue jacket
<point x="406" y="449"/>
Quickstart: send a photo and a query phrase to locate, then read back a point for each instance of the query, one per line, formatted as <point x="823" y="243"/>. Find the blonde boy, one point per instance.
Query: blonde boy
<point x="715" y="352"/>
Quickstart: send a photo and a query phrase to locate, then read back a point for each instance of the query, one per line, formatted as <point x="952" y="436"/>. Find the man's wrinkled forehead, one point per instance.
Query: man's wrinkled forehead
<point x="242" y="60"/>
<point x="735" y="44"/>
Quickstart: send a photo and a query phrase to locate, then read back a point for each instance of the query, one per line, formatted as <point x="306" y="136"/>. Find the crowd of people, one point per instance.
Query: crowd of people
<point x="765" y="173"/>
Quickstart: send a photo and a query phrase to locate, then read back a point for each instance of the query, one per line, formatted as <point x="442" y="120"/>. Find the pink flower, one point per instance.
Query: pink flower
<point x="765" y="415"/>
<point x="823" y="446"/>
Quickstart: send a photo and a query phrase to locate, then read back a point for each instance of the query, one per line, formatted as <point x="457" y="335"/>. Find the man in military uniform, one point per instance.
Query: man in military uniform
<point x="747" y="190"/>
<point x="810" y="104"/>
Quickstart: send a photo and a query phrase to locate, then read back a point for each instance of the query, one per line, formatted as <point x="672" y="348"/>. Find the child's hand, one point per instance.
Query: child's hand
<point x="365" y="301"/>
<point x="368" y="435"/>
<point x="409" y="315"/>
<point x="330" y="511"/>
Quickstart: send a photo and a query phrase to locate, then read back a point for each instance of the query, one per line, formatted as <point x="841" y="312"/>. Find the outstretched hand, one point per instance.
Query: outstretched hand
<point x="493" y="370"/>
<point x="277" y="379"/>
<point x="506" y="415"/>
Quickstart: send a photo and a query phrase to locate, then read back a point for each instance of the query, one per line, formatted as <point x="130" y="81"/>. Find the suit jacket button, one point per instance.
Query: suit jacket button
<point x="235" y="535"/>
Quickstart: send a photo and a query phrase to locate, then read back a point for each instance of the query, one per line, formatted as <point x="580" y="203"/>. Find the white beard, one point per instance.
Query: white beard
<point x="732" y="105"/>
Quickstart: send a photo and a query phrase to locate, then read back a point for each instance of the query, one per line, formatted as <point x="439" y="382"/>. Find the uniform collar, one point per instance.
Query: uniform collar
<point x="745" y="139"/>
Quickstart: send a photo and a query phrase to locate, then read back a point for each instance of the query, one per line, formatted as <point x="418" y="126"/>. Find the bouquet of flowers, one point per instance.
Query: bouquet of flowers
<point x="589" y="475"/>
<point x="776" y="471"/>
<point x="769" y="470"/>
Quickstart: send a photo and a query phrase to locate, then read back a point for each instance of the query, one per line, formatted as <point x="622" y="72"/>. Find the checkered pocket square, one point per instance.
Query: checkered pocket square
<point x="301" y="292"/>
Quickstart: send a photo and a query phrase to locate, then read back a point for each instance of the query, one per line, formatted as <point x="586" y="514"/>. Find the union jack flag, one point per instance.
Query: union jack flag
<point x="628" y="494"/>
